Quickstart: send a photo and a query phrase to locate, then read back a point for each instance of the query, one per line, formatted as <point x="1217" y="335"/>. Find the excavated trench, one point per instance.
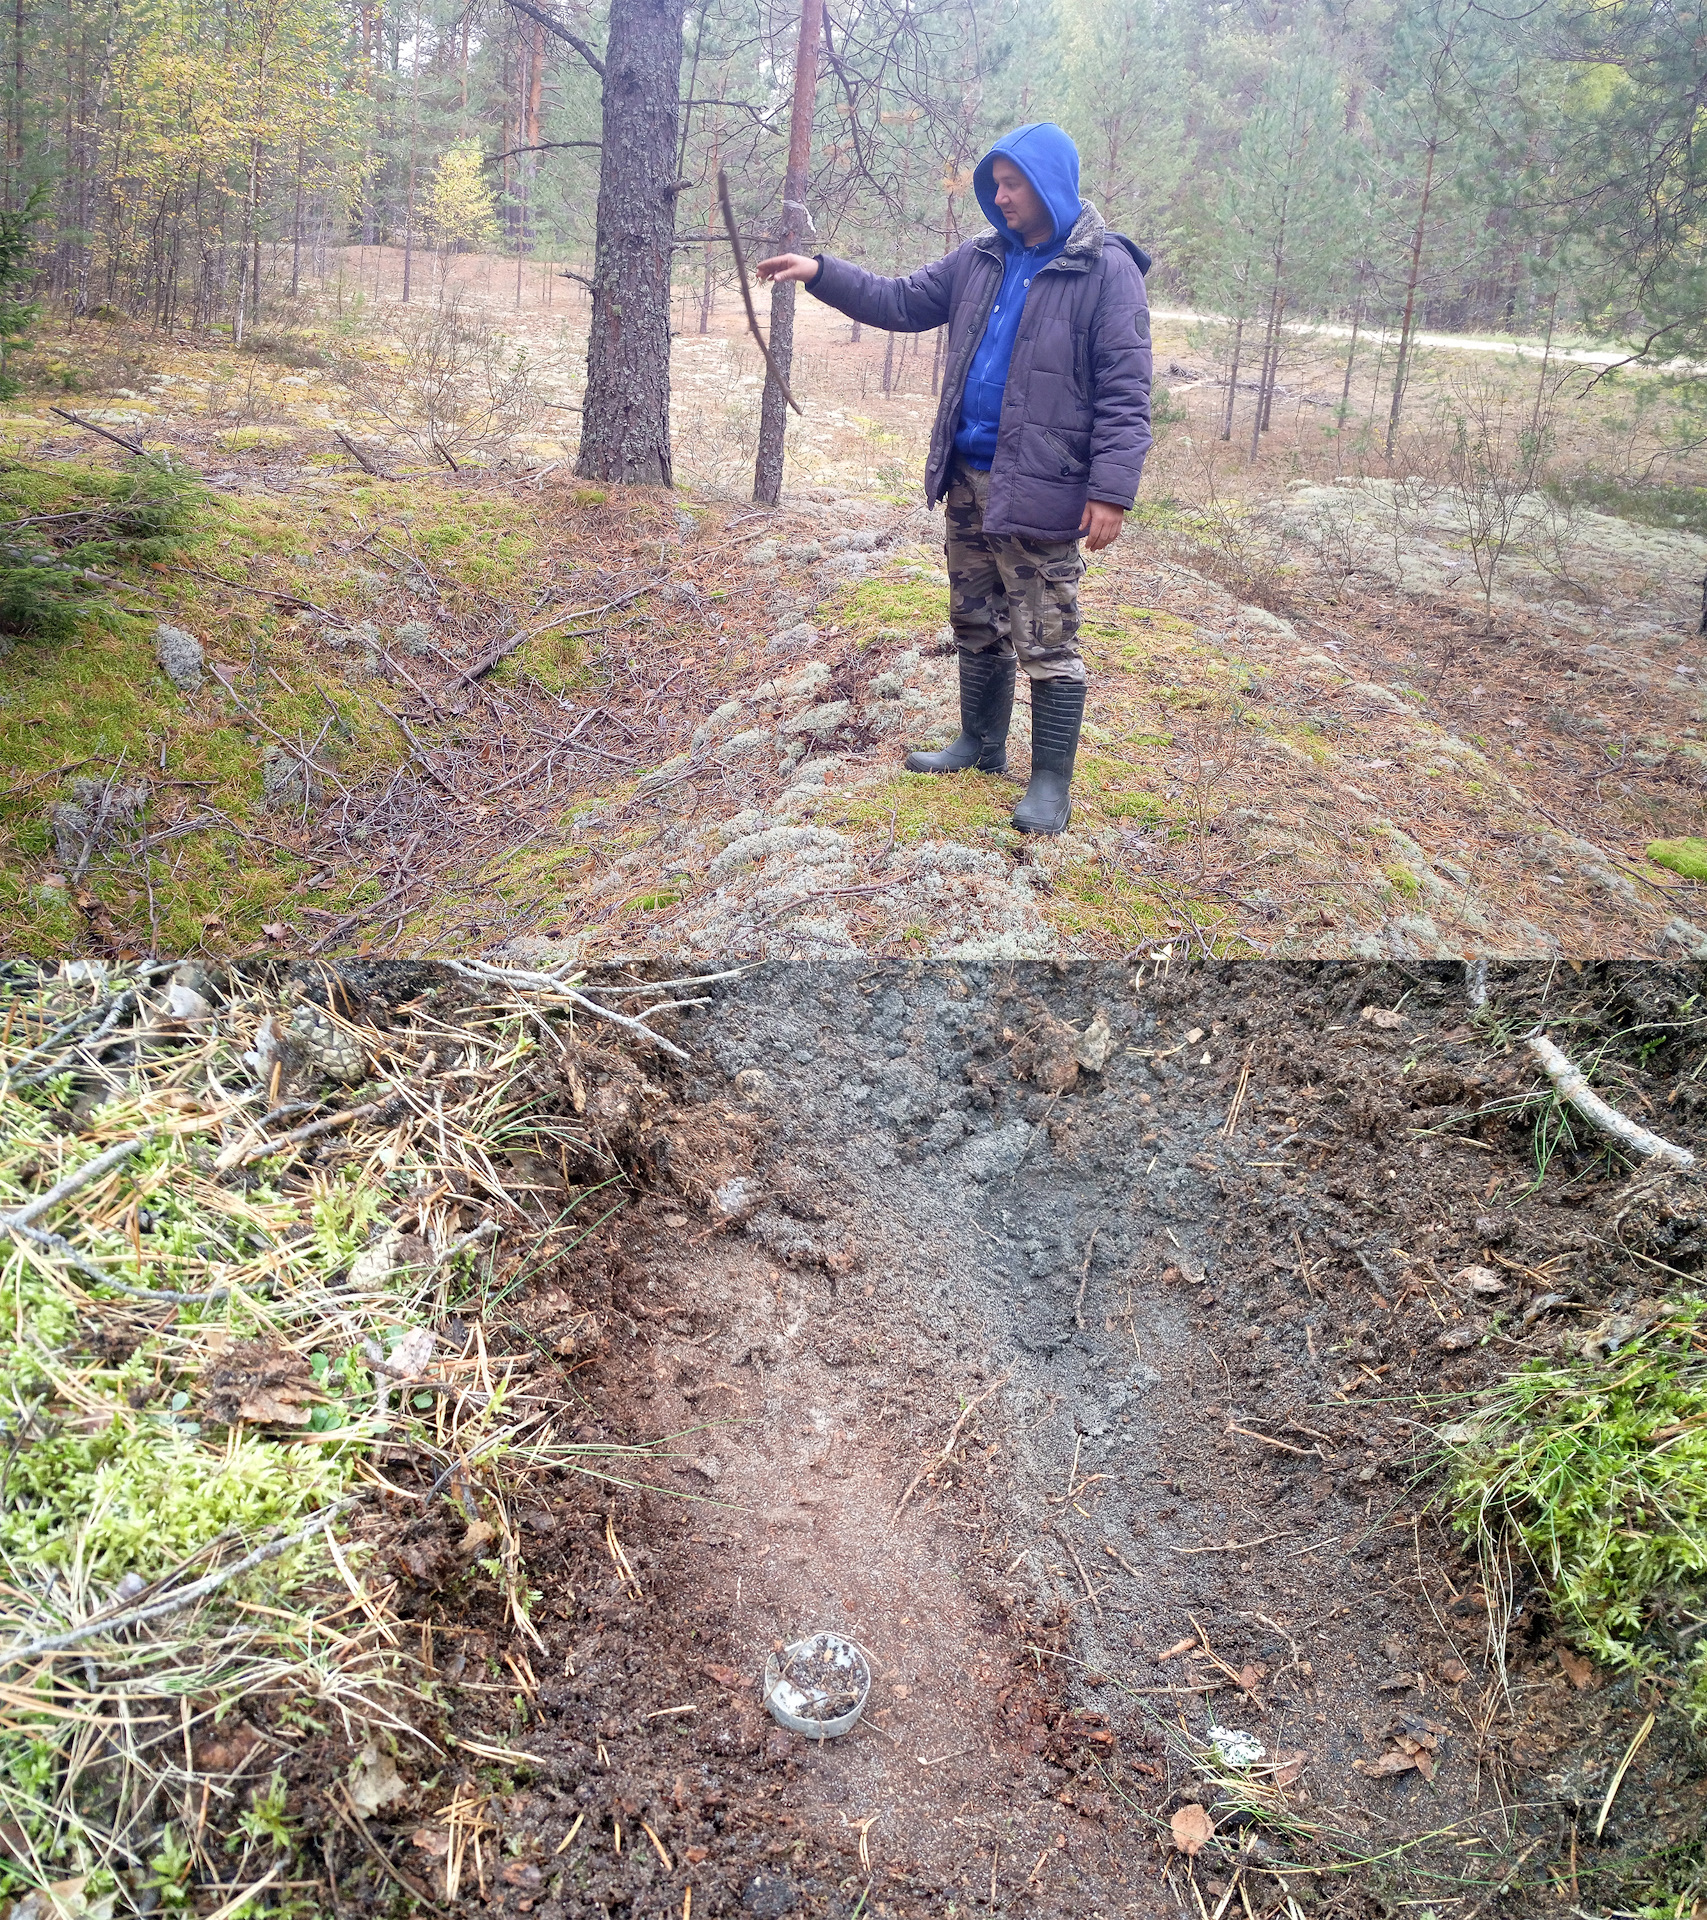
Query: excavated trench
<point x="1063" y="1340"/>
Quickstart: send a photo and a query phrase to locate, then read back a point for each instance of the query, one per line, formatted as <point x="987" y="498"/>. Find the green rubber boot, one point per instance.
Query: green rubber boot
<point x="986" y="707"/>
<point x="1057" y="713"/>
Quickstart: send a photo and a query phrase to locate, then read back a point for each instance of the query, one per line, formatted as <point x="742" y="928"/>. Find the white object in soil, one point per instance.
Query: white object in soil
<point x="802" y="1711"/>
<point x="1236" y="1747"/>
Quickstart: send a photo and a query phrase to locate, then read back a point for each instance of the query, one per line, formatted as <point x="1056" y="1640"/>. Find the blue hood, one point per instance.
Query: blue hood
<point x="1049" y="160"/>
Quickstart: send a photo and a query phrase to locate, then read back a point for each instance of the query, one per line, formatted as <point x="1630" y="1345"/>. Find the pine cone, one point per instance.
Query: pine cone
<point x="326" y="1045"/>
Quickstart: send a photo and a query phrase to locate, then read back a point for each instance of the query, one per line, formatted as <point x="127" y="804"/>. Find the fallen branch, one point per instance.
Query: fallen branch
<point x="278" y="597"/>
<point x="1079" y="1568"/>
<point x="62" y="1249"/>
<point x="173" y="1602"/>
<point x="290" y="746"/>
<point x="393" y="1873"/>
<point x="1572" y="1086"/>
<point x="505" y="648"/>
<point x="130" y="446"/>
<point x="746" y="291"/>
<point x="297" y="1135"/>
<point x="19" y="1225"/>
<point x="686" y="980"/>
<point x="420" y="751"/>
<point x="553" y="983"/>
<point x="63" y="1190"/>
<point x="356" y="454"/>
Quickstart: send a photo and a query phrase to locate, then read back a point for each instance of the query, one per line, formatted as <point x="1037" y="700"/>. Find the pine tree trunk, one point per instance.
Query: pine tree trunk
<point x="535" y="98"/>
<point x="625" y="422"/>
<point x="1274" y="365"/>
<point x="1233" y="379"/>
<point x="773" y="409"/>
<point x="1262" y="373"/>
<point x="712" y="236"/>
<point x="409" y="231"/>
<point x="705" y="284"/>
<point x="296" y="227"/>
<point x="1351" y="355"/>
<point x="15" y="128"/>
<point x="1402" y="366"/>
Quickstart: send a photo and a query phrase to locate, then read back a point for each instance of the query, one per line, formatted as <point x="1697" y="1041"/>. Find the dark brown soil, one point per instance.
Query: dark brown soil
<point x="1095" y="1404"/>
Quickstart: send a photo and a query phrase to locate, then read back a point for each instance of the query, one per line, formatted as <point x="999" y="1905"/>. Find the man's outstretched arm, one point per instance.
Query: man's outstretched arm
<point x="790" y="266"/>
<point x="911" y="303"/>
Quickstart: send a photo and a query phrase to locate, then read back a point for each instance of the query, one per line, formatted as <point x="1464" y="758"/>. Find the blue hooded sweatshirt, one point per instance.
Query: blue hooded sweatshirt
<point x="1050" y="161"/>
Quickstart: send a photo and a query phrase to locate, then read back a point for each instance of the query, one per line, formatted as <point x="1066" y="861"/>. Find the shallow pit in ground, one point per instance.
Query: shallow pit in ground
<point x="1064" y="1341"/>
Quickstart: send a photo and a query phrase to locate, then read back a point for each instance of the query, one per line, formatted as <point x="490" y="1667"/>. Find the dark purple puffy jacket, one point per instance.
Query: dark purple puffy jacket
<point x="1076" y="409"/>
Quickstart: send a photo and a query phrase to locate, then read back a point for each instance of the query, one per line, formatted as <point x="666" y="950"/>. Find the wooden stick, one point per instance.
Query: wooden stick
<point x="1121" y="1561"/>
<point x="261" y="593"/>
<point x="173" y="1602"/>
<point x="488" y="661"/>
<point x="1284" y="1445"/>
<point x="312" y="1131"/>
<point x="1571" y="1085"/>
<point x="130" y="446"/>
<point x="91" y="1170"/>
<point x="1079" y="1568"/>
<point x="746" y="292"/>
<point x="1234" y="1546"/>
<point x="1084" y="1278"/>
<point x="356" y="454"/>
<point x="412" y="1887"/>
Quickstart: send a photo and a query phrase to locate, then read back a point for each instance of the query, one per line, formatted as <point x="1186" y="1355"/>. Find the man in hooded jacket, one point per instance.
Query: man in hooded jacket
<point x="1039" y="439"/>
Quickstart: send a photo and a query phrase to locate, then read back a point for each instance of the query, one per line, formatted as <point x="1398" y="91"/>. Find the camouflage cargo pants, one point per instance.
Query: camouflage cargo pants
<point x="1016" y="595"/>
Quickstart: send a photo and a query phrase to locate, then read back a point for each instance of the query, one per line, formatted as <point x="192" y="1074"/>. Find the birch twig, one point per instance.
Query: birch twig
<point x="1573" y="1086"/>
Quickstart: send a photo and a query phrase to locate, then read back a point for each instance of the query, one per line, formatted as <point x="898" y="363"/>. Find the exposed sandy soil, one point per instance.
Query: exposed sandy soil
<point x="1089" y="1407"/>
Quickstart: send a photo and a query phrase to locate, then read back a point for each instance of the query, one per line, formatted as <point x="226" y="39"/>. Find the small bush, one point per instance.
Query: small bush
<point x="53" y="553"/>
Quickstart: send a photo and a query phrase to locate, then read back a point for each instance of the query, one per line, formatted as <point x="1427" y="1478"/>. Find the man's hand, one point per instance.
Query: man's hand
<point x="1101" y="524"/>
<point x="787" y="266"/>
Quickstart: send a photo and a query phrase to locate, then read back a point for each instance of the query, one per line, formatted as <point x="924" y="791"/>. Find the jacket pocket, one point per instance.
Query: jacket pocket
<point x="1073" y="450"/>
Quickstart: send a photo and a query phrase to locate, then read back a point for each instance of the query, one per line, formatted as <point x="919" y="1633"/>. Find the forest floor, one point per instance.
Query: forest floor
<point x="1315" y="727"/>
<point x="1095" y="1353"/>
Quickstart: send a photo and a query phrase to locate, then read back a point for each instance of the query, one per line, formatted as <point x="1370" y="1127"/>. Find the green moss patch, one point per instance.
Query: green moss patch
<point x="1595" y="1472"/>
<point x="1100" y="906"/>
<point x="927" y="806"/>
<point x="97" y="706"/>
<point x="1687" y="856"/>
<point x="909" y="606"/>
<point x="200" y="1363"/>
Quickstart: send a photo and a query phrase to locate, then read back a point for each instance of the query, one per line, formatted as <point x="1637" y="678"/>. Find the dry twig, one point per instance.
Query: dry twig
<point x="746" y="291"/>
<point x="1572" y="1085"/>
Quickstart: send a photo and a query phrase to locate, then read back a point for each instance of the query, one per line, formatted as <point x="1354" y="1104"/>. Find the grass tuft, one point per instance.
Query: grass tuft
<point x="198" y="1373"/>
<point x="1595" y="1470"/>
